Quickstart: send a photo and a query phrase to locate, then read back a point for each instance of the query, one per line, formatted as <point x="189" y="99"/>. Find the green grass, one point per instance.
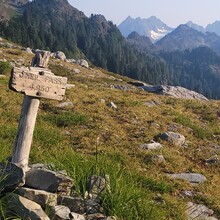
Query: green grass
<point x="89" y="138"/>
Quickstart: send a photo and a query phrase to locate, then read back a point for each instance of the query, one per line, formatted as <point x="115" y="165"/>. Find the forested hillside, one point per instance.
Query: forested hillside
<point x="56" y="25"/>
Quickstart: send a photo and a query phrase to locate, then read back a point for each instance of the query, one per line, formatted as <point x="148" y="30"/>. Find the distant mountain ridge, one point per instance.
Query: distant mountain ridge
<point x="151" y="27"/>
<point x="185" y="37"/>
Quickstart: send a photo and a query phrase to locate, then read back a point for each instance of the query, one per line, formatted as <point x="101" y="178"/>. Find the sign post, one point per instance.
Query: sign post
<point x="35" y="82"/>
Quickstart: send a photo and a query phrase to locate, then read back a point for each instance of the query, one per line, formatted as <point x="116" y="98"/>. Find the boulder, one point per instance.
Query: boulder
<point x="59" y="55"/>
<point x="77" y="71"/>
<point x="11" y="176"/>
<point x="50" y="181"/>
<point x="97" y="185"/>
<point x="75" y="204"/>
<point x="174" y="91"/>
<point x="199" y="212"/>
<point x="83" y="63"/>
<point x="151" y="146"/>
<point x="70" y="60"/>
<point x="41" y="197"/>
<point x="93" y="207"/>
<point x="193" y="178"/>
<point x="59" y="212"/>
<point x="24" y="208"/>
<point x="175" y="138"/>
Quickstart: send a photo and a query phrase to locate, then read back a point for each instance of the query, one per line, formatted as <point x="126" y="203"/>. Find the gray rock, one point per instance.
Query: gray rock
<point x="77" y="71"/>
<point x="97" y="185"/>
<point x="96" y="216"/>
<point x="11" y="176"/>
<point x="175" y="138"/>
<point x="112" y="105"/>
<point x="25" y="208"/>
<point x="29" y="50"/>
<point x="59" y="212"/>
<point x="70" y="60"/>
<point x="190" y="177"/>
<point x="151" y="146"/>
<point x="65" y="105"/>
<point x="50" y="181"/>
<point x="199" y="212"/>
<point x="83" y="63"/>
<point x="58" y="55"/>
<point x="75" y="204"/>
<point x="41" y="197"/>
<point x="76" y="216"/>
<point x="93" y="207"/>
<point x="174" y="91"/>
<point x="151" y="103"/>
<point x="158" y="159"/>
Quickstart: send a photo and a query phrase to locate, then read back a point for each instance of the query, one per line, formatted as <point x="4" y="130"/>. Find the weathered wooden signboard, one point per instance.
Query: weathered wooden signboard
<point x="35" y="82"/>
<point x="38" y="82"/>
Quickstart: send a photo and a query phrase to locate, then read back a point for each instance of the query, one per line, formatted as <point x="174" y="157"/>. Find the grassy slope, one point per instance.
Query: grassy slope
<point x="90" y="138"/>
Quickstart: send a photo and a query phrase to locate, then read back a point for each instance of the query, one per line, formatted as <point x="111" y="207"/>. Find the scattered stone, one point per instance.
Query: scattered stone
<point x="93" y="207"/>
<point x="77" y="71"/>
<point x="50" y="181"/>
<point x="70" y="86"/>
<point x="199" y="212"/>
<point x="151" y="146"/>
<point x="59" y="212"/>
<point x="65" y="105"/>
<point x="41" y="197"/>
<point x="193" y="178"/>
<point x="151" y="103"/>
<point x="175" y="138"/>
<point x="70" y="60"/>
<point x="59" y="55"/>
<point x="76" y="216"/>
<point x="112" y="105"/>
<point x="1" y="39"/>
<point x="97" y="185"/>
<point x="24" y="208"/>
<point x="75" y="204"/>
<point x="11" y="176"/>
<point x="186" y="193"/>
<point x="29" y="50"/>
<point x="158" y="159"/>
<point x="83" y="63"/>
<point x="96" y="216"/>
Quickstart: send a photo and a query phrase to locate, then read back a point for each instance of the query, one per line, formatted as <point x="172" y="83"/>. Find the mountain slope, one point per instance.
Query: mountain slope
<point x="152" y="27"/>
<point x="56" y="25"/>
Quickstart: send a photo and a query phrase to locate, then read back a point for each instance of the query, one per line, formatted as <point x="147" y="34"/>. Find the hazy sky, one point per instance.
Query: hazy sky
<point x="172" y="12"/>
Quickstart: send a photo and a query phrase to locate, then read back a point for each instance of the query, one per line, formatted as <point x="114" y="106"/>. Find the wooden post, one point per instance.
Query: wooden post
<point x="28" y="117"/>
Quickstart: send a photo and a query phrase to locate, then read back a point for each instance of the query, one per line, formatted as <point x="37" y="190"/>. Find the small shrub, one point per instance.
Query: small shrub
<point x="5" y="68"/>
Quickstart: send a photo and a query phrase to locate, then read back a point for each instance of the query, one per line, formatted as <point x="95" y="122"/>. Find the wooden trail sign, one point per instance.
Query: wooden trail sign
<point x="35" y="82"/>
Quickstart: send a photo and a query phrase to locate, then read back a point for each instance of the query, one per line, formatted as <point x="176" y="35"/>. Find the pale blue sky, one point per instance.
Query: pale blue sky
<point x="172" y="12"/>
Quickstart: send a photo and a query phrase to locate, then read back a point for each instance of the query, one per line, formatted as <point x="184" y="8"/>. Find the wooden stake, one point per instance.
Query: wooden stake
<point x="28" y="117"/>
